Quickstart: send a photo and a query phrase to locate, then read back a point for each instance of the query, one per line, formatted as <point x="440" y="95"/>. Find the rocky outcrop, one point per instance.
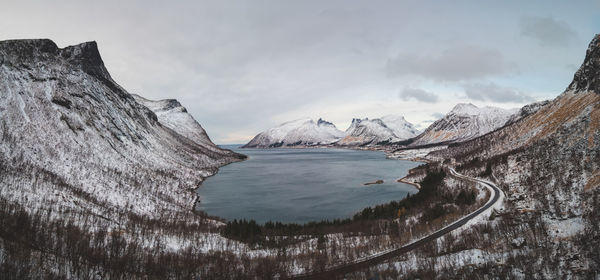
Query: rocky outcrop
<point x="526" y="111"/>
<point x="587" y="78"/>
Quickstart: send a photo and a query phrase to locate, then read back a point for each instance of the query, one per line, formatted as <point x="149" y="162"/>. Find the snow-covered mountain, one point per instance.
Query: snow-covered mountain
<point x="362" y="132"/>
<point x="387" y="129"/>
<point x="400" y="126"/>
<point x="547" y="162"/>
<point x="464" y="122"/>
<point x="173" y="115"/>
<point x="302" y="132"/>
<point x="99" y="151"/>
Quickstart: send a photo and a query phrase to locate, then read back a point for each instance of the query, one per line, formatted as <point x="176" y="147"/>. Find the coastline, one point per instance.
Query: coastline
<point x="404" y="180"/>
<point x="388" y="173"/>
<point x="196" y="196"/>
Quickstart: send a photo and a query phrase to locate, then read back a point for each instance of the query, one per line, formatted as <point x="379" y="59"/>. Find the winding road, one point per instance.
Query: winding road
<point x="362" y="263"/>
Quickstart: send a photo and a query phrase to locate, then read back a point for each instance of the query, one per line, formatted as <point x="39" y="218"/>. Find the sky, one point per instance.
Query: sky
<point x="241" y="67"/>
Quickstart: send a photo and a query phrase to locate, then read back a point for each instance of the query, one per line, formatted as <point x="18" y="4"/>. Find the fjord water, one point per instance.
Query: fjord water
<point x="302" y="185"/>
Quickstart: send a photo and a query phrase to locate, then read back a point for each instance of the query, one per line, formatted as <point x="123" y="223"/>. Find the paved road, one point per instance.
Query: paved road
<point x="378" y="258"/>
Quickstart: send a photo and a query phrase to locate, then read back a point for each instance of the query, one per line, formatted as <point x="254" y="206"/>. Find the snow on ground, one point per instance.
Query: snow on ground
<point x="564" y="228"/>
<point x="298" y="132"/>
<point x="485" y="215"/>
<point x="463" y="122"/>
<point x="414" y="154"/>
<point x="401" y="127"/>
<point x="368" y="132"/>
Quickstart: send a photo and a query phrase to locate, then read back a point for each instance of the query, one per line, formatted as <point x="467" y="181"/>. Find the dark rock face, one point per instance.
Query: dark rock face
<point x="59" y="100"/>
<point x="85" y="55"/>
<point x="323" y="122"/>
<point x="22" y="51"/>
<point x="356" y="121"/>
<point x="587" y="78"/>
<point x="173" y="103"/>
<point x="527" y="110"/>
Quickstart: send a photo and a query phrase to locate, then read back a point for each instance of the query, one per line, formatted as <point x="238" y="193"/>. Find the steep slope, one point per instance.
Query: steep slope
<point x="73" y="139"/>
<point x="527" y="110"/>
<point x="385" y="130"/>
<point x="548" y="164"/>
<point x="173" y="115"/>
<point x="464" y="122"/>
<point x="400" y="126"/>
<point x="364" y="132"/>
<point x="302" y="132"/>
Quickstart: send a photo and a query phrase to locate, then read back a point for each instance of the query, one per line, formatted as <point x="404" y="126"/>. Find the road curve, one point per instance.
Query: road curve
<point x="386" y="255"/>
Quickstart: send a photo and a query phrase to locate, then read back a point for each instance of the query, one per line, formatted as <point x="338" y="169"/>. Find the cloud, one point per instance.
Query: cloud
<point x="242" y="68"/>
<point x="453" y="64"/>
<point x="495" y="93"/>
<point x="571" y="67"/>
<point x="437" y="115"/>
<point x="418" y="94"/>
<point x="547" y="31"/>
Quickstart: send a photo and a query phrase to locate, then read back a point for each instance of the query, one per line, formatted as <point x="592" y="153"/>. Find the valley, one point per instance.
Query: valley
<point x="98" y="183"/>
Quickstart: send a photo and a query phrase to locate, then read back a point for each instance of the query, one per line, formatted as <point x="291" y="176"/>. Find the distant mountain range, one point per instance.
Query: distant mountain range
<point x="463" y="122"/>
<point x="362" y="132"/>
<point x="81" y="157"/>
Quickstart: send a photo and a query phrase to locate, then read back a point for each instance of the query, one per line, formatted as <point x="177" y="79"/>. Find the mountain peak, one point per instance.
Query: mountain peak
<point x="324" y="122"/>
<point x="87" y="56"/>
<point x="25" y="51"/>
<point x="587" y="78"/>
<point x="465" y="108"/>
<point x="465" y="121"/>
<point x="28" y="47"/>
<point x="464" y="105"/>
<point x="301" y="132"/>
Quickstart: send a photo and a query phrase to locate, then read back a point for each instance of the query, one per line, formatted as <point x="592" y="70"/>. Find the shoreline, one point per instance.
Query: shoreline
<point x="403" y="180"/>
<point x="194" y="190"/>
<point x="386" y="150"/>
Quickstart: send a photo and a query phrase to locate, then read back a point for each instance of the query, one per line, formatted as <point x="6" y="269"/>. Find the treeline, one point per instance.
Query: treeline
<point x="377" y="220"/>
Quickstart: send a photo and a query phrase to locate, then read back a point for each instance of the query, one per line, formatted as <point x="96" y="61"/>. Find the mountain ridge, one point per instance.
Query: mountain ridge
<point x="362" y="132"/>
<point x="63" y="113"/>
<point x="464" y="122"/>
<point x="300" y="132"/>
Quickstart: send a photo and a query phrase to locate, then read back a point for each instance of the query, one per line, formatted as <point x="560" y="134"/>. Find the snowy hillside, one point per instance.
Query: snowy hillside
<point x="362" y="132"/>
<point x="401" y="128"/>
<point x="387" y="129"/>
<point x="547" y="161"/>
<point x="173" y="115"/>
<point x="96" y="149"/>
<point x="297" y="133"/>
<point x="463" y="122"/>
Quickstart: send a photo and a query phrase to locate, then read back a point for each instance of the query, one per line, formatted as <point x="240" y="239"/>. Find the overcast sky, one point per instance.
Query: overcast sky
<point x="241" y="67"/>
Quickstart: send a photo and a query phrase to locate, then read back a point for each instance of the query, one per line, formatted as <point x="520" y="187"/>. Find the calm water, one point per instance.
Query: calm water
<point x="302" y="185"/>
